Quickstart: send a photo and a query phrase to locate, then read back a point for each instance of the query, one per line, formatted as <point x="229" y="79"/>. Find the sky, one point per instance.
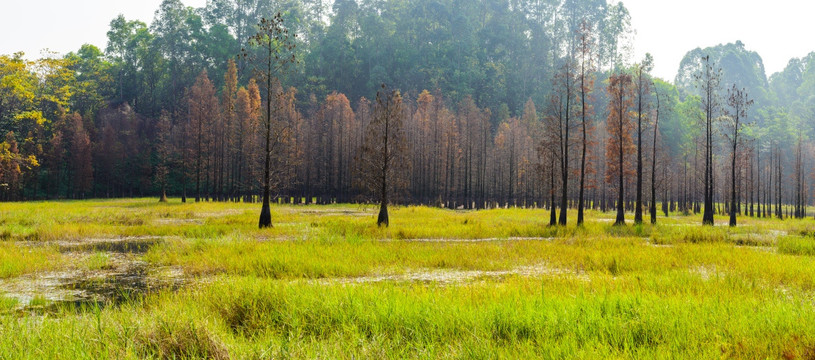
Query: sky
<point x="65" y="25"/>
<point x="778" y="30"/>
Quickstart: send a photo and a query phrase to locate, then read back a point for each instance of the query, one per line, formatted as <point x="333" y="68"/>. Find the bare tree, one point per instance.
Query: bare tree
<point x="642" y="85"/>
<point x="564" y="95"/>
<point x="586" y="87"/>
<point x="203" y="108"/>
<point x="163" y="153"/>
<point x="739" y="103"/>
<point x="620" y="145"/>
<point x="708" y="80"/>
<point x="384" y="151"/>
<point x="653" y="206"/>
<point x="276" y="45"/>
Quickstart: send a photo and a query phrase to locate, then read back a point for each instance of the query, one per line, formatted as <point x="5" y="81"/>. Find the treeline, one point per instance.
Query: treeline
<point x="498" y="54"/>
<point x="528" y="103"/>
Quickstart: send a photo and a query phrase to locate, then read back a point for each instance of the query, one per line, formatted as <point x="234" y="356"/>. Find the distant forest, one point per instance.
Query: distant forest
<point x="501" y="103"/>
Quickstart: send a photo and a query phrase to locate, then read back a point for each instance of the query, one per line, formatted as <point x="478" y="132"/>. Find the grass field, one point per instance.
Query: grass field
<point x="138" y="279"/>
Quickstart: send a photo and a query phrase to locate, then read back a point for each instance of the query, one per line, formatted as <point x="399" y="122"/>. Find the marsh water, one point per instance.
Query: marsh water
<point x="119" y="275"/>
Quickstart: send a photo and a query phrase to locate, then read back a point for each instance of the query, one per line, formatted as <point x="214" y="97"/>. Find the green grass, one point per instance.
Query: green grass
<point x="248" y="317"/>
<point x="97" y="261"/>
<point x="796" y="245"/>
<point x="325" y="282"/>
<point x="16" y="260"/>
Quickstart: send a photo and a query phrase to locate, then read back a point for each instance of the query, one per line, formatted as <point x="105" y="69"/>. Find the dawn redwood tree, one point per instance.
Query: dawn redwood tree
<point x="203" y="108"/>
<point x="736" y="116"/>
<point x="752" y="190"/>
<point x="510" y="142"/>
<point x="81" y="157"/>
<point x="586" y="79"/>
<point x="779" y="183"/>
<point x="384" y="150"/>
<point x="228" y="132"/>
<point x="549" y="151"/>
<point x="337" y="122"/>
<point x="246" y="111"/>
<point x="532" y="158"/>
<point x="253" y="144"/>
<point x="547" y="155"/>
<point x="800" y="204"/>
<point x="71" y="157"/>
<point x="600" y="194"/>
<point x="417" y="129"/>
<point x="565" y="84"/>
<point x="425" y="129"/>
<point x="642" y="85"/>
<point x="286" y="152"/>
<point x="473" y="128"/>
<point x="310" y="177"/>
<point x="708" y="80"/>
<point x="620" y="145"/>
<point x="499" y="155"/>
<point x="276" y="45"/>
<point x="451" y="152"/>
<point x="653" y="207"/>
<point x="163" y="153"/>
<point x="243" y="111"/>
<point x="180" y="145"/>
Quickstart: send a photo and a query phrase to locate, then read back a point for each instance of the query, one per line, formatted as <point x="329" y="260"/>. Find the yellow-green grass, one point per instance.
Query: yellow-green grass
<point x="97" y="261"/>
<point x="673" y="315"/>
<point x="16" y="260"/>
<point x="323" y="283"/>
<point x="616" y="256"/>
<point x="48" y="221"/>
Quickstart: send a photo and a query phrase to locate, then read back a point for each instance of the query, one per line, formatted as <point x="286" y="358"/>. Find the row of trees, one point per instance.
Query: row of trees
<point x="498" y="52"/>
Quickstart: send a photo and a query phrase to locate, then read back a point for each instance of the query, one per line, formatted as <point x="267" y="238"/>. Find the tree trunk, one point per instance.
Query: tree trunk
<point x="266" y="211"/>
<point x="654" y="169"/>
<point x="733" y="177"/>
<point x="565" y="156"/>
<point x="552" y="211"/>
<point x="580" y="204"/>
<point x="638" y="205"/>
<point x="707" y="217"/>
<point x="621" y="189"/>
<point x="382" y="219"/>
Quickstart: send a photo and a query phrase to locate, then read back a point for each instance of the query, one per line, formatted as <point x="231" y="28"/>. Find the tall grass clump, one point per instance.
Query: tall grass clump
<point x="179" y="339"/>
<point x="796" y="245"/>
<point x="672" y="234"/>
<point x="16" y="260"/>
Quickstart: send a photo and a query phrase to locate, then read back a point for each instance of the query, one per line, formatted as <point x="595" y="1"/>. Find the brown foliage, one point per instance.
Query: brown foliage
<point x="203" y="111"/>
<point x="620" y="125"/>
<point x="383" y="157"/>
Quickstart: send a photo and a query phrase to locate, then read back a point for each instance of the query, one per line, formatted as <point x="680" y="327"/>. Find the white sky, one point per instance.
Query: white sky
<point x="64" y="25"/>
<point x="778" y="30"/>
